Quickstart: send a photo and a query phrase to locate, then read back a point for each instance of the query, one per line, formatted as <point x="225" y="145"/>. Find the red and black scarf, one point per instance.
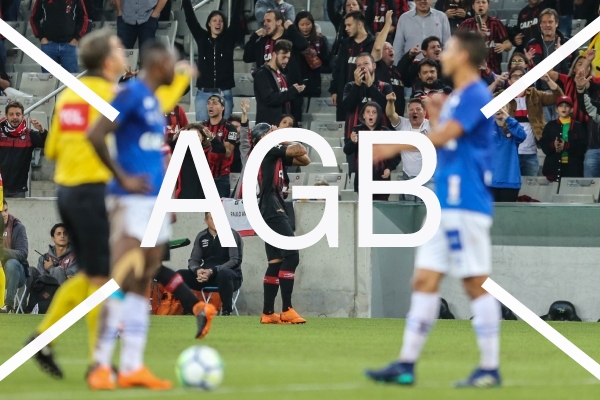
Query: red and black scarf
<point x="8" y="130"/>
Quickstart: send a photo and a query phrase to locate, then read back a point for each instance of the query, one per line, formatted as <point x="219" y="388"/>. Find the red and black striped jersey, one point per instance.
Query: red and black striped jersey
<point x="225" y="133"/>
<point x="271" y="180"/>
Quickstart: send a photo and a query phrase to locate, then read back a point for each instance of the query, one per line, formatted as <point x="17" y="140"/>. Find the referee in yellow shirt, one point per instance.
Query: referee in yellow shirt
<point x="82" y="179"/>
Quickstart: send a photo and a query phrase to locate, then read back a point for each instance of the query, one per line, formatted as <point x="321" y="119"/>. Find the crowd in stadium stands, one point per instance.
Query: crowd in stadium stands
<point x="385" y="64"/>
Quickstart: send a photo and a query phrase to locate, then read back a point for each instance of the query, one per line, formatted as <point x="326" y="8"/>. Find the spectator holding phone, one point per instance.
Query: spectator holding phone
<point x="60" y="261"/>
<point x="456" y="10"/>
<point x="506" y="172"/>
<point x="315" y="59"/>
<point x="564" y="143"/>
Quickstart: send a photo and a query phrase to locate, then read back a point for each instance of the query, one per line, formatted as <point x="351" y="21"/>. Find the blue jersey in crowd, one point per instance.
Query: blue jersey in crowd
<point x="463" y="168"/>
<point x="139" y="136"/>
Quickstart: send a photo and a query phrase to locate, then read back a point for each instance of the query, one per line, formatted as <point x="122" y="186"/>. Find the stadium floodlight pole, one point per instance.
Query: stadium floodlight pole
<point x="48" y="96"/>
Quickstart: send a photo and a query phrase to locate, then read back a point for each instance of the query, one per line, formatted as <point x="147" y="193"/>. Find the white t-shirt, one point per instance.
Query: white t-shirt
<point x="412" y="161"/>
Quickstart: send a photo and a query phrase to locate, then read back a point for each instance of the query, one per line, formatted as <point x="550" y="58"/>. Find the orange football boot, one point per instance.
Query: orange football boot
<point x="144" y="378"/>
<point x="101" y="378"/>
<point x="270" y="319"/>
<point x="291" y="317"/>
<point x="204" y="315"/>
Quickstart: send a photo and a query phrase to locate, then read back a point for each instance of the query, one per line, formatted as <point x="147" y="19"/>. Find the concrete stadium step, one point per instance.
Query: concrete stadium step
<point x="43" y="185"/>
<point x="43" y="193"/>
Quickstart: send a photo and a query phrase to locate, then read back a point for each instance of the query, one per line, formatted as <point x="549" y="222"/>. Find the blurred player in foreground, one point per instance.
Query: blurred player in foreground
<point x="138" y="171"/>
<point x="461" y="245"/>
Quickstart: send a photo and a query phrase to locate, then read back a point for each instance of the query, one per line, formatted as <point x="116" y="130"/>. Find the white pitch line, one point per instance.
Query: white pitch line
<point x="59" y="327"/>
<point x="542" y="327"/>
<point x="539" y="70"/>
<point x="55" y="69"/>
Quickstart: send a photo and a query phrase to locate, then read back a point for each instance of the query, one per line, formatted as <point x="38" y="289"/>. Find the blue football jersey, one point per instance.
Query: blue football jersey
<point x="140" y="135"/>
<point x="463" y="170"/>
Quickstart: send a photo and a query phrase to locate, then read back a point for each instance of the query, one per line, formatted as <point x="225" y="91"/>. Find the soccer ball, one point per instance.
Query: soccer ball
<point x="200" y="367"/>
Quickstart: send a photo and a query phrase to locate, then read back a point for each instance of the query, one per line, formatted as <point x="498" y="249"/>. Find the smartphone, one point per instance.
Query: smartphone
<point x="305" y="81"/>
<point x="453" y="5"/>
<point x="479" y="21"/>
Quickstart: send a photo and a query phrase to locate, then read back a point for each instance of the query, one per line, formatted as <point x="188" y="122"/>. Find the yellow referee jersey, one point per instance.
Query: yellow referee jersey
<point x="76" y="160"/>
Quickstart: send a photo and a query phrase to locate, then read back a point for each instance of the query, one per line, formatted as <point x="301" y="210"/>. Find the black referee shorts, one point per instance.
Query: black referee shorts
<point x="83" y="211"/>
<point x="282" y="226"/>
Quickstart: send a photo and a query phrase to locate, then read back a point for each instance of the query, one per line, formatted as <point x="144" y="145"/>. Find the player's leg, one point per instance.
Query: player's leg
<point x="487" y="312"/>
<point x="2" y="290"/>
<point x="432" y="263"/>
<point x="175" y="282"/>
<point x="271" y="285"/>
<point x="135" y="321"/>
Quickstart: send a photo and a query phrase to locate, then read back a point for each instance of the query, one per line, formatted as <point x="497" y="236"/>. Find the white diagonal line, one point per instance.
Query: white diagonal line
<point x="59" y="327"/>
<point x="55" y="69"/>
<point x="542" y="327"/>
<point x="547" y="65"/>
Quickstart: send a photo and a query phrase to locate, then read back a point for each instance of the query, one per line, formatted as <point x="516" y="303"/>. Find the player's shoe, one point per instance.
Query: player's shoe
<point x="142" y="378"/>
<point x="481" y="378"/>
<point x="45" y="359"/>
<point x="101" y="378"/>
<point x="291" y="317"/>
<point x="397" y="372"/>
<point x="204" y="314"/>
<point x="270" y="319"/>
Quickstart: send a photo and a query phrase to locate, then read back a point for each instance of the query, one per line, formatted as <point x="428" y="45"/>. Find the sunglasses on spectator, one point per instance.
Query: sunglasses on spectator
<point x="517" y="62"/>
<point x="516" y="76"/>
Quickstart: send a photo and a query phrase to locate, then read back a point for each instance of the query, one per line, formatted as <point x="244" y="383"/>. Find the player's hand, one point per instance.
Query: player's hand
<point x="358" y="76"/>
<point x="36" y="124"/>
<point x="519" y="39"/>
<point x="391" y="97"/>
<point x="334" y="99"/>
<point x="134" y="184"/>
<point x="287" y="24"/>
<point x="414" y="52"/>
<point x="261" y="32"/>
<point x="245" y="106"/>
<point x="386" y="173"/>
<point x="354" y="137"/>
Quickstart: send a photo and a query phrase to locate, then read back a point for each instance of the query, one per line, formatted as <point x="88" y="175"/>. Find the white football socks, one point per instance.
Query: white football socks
<point x="486" y="323"/>
<point x="110" y="316"/>
<point x="424" y="310"/>
<point x="135" y="330"/>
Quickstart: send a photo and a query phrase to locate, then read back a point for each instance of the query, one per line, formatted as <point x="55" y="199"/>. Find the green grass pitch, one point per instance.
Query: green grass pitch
<point x="323" y="359"/>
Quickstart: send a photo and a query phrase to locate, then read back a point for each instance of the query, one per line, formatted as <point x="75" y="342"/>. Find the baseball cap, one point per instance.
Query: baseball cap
<point x="564" y="99"/>
<point x="218" y="97"/>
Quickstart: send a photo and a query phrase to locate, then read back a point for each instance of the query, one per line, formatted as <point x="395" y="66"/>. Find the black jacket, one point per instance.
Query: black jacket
<point x="254" y="52"/>
<point x="270" y="101"/>
<point x="343" y="67"/>
<point x="215" y="55"/>
<point x="19" y="246"/>
<point x="355" y="97"/>
<point x="15" y="158"/>
<point x="209" y="253"/>
<point x="554" y="168"/>
<point x="313" y="85"/>
<point x="59" y="21"/>
<point x="438" y="87"/>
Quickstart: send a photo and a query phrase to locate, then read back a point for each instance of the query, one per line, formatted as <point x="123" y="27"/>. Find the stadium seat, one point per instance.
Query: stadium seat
<point x="538" y="188"/>
<point x="168" y="29"/>
<point x="112" y="25"/>
<point x="96" y="25"/>
<point x="41" y="116"/>
<point x="19" y="26"/>
<point x="318" y="168"/>
<point x="327" y="29"/>
<point x="15" y="78"/>
<point x="329" y="118"/>
<point x="573" y="199"/>
<point x="237" y="105"/>
<point x="244" y="85"/>
<point x="176" y="5"/>
<point x="19" y="299"/>
<point x="508" y="14"/>
<point x="348" y="195"/>
<point x="21" y="68"/>
<point x="333" y="141"/>
<point x="578" y="25"/>
<point x="321" y="105"/>
<point x="297" y="178"/>
<point x="47" y="106"/>
<point x="37" y="84"/>
<point x="333" y="179"/>
<point x="327" y="128"/>
<point x="213" y="289"/>
<point x="580" y="186"/>
<point x="132" y="57"/>
<point x="233" y="179"/>
<point x="13" y="56"/>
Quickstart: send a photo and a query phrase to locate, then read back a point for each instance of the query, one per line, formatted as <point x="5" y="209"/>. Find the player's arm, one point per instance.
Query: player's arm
<point x="298" y="154"/>
<point x="169" y="96"/>
<point x="97" y="136"/>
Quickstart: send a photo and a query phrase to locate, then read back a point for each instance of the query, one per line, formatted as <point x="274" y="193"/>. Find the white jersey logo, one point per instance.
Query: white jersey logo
<point x="151" y="141"/>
